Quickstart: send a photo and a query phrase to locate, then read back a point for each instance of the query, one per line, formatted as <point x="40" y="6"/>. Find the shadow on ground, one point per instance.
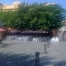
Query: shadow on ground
<point x="61" y="63"/>
<point x="11" y="59"/>
<point x="16" y="60"/>
<point x="46" y="61"/>
<point x="4" y="45"/>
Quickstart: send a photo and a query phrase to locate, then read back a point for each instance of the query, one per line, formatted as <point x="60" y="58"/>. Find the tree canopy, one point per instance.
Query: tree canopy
<point x="34" y="17"/>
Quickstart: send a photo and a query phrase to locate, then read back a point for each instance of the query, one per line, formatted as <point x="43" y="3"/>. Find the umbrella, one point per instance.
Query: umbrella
<point x="1" y="29"/>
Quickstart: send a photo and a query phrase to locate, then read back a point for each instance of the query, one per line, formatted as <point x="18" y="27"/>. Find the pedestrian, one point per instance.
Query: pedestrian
<point x="1" y="36"/>
<point x="63" y="35"/>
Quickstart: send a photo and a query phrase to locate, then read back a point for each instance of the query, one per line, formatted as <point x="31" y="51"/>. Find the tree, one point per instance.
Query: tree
<point x="8" y="18"/>
<point x="34" y="17"/>
<point x="39" y="16"/>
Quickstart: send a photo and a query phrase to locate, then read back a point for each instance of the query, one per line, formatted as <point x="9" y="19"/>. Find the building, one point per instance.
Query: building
<point x="63" y="28"/>
<point x="13" y="6"/>
<point x="50" y="3"/>
<point x="1" y="5"/>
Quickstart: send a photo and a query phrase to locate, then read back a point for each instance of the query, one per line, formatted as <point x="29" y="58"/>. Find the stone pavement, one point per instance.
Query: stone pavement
<point x="17" y="53"/>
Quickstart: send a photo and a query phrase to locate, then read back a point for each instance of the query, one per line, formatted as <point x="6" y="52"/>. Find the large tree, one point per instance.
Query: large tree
<point x="34" y="16"/>
<point x="40" y="16"/>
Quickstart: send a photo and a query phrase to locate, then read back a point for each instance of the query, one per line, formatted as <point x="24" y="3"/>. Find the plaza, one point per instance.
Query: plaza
<point x="18" y="53"/>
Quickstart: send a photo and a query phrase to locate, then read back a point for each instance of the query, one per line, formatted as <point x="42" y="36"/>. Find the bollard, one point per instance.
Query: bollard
<point x="63" y="36"/>
<point x="37" y="59"/>
<point x="45" y="48"/>
<point x="48" y="44"/>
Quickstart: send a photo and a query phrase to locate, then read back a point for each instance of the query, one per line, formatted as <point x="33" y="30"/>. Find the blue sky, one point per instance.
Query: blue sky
<point x="61" y="2"/>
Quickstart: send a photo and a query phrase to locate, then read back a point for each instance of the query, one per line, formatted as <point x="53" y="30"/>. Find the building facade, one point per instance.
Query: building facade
<point x="1" y="6"/>
<point x="13" y="6"/>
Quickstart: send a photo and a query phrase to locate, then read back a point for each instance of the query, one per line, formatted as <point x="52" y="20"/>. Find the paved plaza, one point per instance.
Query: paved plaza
<point x="18" y="53"/>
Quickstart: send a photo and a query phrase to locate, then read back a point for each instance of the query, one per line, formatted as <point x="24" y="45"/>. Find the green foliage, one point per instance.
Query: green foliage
<point x="9" y="18"/>
<point x="35" y="16"/>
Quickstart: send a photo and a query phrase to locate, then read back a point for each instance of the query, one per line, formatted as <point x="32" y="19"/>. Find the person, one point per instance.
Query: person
<point x="53" y="33"/>
<point x="1" y="36"/>
<point x="63" y="35"/>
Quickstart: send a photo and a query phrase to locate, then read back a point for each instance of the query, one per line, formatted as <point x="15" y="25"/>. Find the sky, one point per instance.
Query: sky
<point x="60" y="2"/>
